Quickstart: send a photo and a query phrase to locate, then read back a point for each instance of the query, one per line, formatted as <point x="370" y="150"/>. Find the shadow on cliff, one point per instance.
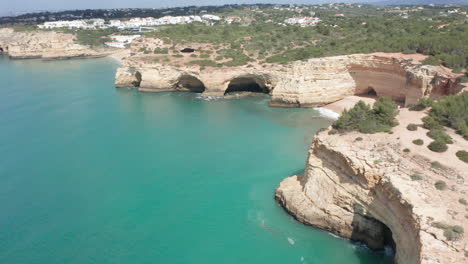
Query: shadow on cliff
<point x="371" y="234"/>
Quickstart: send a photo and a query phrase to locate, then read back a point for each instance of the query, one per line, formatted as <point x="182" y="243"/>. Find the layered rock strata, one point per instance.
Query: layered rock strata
<point x="46" y="45"/>
<point x="362" y="190"/>
<point x="310" y="83"/>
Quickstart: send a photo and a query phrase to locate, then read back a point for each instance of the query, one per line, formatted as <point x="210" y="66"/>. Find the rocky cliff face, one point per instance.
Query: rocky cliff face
<point x="158" y="78"/>
<point x="44" y="44"/>
<point x="362" y="190"/>
<point x="310" y="83"/>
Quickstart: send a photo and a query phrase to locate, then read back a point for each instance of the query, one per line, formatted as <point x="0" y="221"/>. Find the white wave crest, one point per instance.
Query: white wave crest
<point x="327" y="113"/>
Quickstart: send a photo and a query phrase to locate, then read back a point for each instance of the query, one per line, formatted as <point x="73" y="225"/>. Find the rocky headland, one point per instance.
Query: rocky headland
<point x="358" y="189"/>
<point x="47" y="45"/>
<point x="311" y="83"/>
<point x="363" y="187"/>
<point x="361" y="190"/>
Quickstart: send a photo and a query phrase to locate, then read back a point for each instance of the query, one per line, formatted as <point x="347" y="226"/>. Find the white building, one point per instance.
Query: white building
<point x="302" y="21"/>
<point x="115" y="44"/>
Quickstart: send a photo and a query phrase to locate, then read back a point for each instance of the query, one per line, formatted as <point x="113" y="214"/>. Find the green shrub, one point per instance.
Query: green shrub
<point x="204" y="56"/>
<point x="412" y="127"/>
<point x="178" y="56"/>
<point x="358" y="139"/>
<point x="407" y="150"/>
<point x="418" y="142"/>
<point x="462" y="201"/>
<point x="417" y="177"/>
<point x="363" y="118"/>
<point x="333" y="132"/>
<point x="193" y="55"/>
<point x="430" y="123"/>
<point x="452" y="111"/>
<point x="438" y="146"/>
<point x="462" y="155"/>
<point x="160" y="51"/>
<point x="423" y="104"/>
<point x="436" y="165"/>
<point x="440" y="185"/>
<point x="440" y="135"/>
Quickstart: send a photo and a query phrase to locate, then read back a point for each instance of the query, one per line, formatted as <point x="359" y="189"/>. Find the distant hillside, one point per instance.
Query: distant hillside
<point x="421" y="2"/>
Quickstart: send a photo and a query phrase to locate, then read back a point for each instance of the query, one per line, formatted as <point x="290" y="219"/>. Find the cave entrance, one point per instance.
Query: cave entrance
<point x="246" y="84"/>
<point x="187" y="50"/>
<point x="1" y="50"/>
<point x="371" y="92"/>
<point x="191" y="84"/>
<point x="137" y="81"/>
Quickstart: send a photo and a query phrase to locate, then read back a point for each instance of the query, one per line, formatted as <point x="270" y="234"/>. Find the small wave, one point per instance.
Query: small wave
<point x="327" y="113"/>
<point x="389" y="251"/>
<point x="291" y="241"/>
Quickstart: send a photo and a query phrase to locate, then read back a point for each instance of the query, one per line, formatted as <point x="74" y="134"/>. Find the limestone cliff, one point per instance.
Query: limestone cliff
<point x="362" y="190"/>
<point x="159" y="77"/>
<point x="310" y="83"/>
<point x="45" y="45"/>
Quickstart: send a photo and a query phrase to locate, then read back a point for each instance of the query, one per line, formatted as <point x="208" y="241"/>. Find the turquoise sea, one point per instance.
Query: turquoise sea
<point x="94" y="174"/>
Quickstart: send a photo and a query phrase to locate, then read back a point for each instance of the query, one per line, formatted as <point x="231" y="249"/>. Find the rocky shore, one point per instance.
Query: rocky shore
<point x="48" y="45"/>
<point x="358" y="189"/>
<point x="362" y="189"/>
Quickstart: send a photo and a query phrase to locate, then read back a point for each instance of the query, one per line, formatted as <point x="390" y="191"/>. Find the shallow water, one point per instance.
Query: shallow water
<point x="94" y="174"/>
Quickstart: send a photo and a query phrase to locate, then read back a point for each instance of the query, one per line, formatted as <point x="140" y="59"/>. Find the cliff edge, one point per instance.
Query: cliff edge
<point x="363" y="187"/>
<point x="310" y="83"/>
<point x="47" y="45"/>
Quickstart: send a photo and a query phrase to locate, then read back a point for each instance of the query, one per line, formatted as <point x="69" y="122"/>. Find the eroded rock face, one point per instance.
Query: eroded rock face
<point x="314" y="82"/>
<point x="45" y="44"/>
<point x="358" y="189"/>
<point x="159" y="78"/>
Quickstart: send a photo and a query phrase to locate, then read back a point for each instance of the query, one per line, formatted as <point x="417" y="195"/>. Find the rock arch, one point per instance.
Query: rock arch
<point x="248" y="83"/>
<point x="190" y="83"/>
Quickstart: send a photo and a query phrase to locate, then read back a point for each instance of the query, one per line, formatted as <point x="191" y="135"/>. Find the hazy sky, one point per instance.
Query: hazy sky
<point x="12" y="7"/>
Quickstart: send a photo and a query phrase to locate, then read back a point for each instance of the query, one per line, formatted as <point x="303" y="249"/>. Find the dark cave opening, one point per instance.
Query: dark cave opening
<point x="191" y="83"/>
<point x="246" y="84"/>
<point x="137" y="82"/>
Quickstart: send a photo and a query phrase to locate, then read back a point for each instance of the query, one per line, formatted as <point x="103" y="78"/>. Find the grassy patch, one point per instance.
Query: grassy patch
<point x="418" y="142"/>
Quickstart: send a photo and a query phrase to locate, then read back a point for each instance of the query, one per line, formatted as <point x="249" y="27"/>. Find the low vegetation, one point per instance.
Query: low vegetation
<point x="462" y="201"/>
<point x="462" y="155"/>
<point x="418" y="142"/>
<point x="417" y="177"/>
<point x="440" y="185"/>
<point x="451" y="111"/>
<point x="412" y="127"/>
<point x="363" y="118"/>
<point x="438" y="146"/>
<point x="436" y="165"/>
<point x="451" y="233"/>
<point x="423" y="104"/>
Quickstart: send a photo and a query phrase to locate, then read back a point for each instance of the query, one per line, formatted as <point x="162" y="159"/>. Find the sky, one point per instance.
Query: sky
<point x="16" y="7"/>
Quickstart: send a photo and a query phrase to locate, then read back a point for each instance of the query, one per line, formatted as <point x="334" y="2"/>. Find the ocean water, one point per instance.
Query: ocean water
<point x="94" y="174"/>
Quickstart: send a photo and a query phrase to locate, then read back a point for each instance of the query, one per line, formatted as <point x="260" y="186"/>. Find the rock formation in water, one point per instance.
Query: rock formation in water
<point x="363" y="190"/>
<point x="45" y="45"/>
<point x="310" y="83"/>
